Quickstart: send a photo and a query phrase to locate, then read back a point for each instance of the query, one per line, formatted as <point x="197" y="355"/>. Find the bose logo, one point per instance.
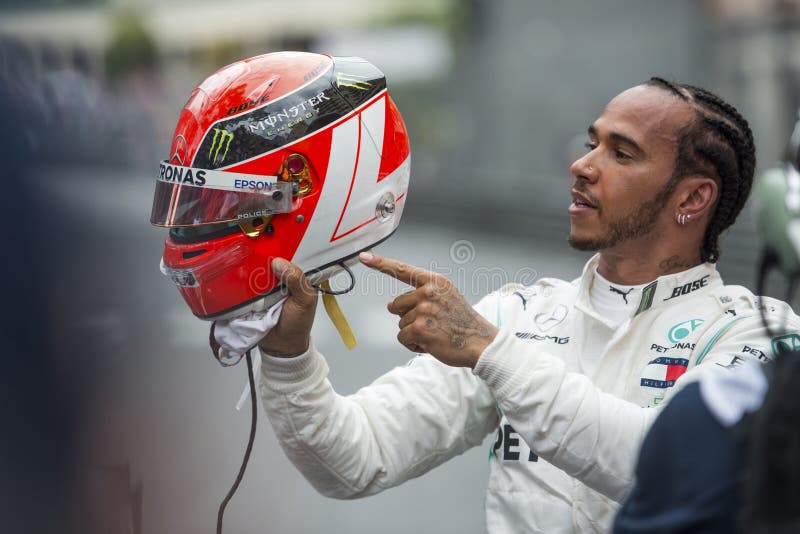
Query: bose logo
<point x="688" y="288"/>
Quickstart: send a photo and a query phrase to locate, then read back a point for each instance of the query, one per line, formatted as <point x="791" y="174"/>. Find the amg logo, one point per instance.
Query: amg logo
<point x="539" y="337"/>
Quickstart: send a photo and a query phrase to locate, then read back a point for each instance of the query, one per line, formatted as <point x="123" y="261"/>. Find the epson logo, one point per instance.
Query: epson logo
<point x="181" y="175"/>
<point x="255" y="185"/>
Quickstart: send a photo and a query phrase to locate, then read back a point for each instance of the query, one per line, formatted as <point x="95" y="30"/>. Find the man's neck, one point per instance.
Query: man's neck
<point x="628" y="269"/>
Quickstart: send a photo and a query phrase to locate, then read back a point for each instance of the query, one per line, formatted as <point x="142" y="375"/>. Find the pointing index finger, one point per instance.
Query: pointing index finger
<point x="408" y="274"/>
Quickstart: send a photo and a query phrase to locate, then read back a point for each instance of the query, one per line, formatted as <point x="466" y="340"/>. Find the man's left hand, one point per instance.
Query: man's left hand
<point x="434" y="317"/>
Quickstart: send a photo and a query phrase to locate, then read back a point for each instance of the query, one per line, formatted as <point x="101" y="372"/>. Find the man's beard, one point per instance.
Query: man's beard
<point x="630" y="226"/>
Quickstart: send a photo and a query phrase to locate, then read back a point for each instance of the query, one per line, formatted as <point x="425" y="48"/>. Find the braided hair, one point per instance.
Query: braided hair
<point x="717" y="144"/>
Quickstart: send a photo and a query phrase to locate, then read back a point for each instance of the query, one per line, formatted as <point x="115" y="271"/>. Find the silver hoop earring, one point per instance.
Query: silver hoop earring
<point x="681" y="219"/>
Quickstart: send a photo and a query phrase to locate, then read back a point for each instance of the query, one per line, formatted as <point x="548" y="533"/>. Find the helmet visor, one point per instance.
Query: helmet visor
<point x="187" y="196"/>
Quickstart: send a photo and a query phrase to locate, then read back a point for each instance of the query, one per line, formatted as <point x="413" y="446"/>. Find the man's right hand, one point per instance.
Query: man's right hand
<point x="291" y="336"/>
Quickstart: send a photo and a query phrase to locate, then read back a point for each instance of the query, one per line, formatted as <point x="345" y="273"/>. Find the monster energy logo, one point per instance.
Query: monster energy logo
<point x="352" y="80"/>
<point x="221" y="137"/>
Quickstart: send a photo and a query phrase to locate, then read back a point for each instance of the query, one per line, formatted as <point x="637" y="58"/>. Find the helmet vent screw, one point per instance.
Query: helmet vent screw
<point x="300" y="218"/>
<point x="385" y="208"/>
<point x="269" y="229"/>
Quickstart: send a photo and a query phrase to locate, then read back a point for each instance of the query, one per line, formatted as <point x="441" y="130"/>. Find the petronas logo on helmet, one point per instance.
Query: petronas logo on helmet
<point x="353" y="81"/>
<point x="220" y="143"/>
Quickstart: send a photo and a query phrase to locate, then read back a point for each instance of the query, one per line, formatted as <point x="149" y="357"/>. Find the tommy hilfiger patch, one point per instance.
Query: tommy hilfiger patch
<point x="663" y="372"/>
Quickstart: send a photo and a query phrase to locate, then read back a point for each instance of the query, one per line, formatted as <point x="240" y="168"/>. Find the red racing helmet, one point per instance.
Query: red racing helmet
<point x="291" y="154"/>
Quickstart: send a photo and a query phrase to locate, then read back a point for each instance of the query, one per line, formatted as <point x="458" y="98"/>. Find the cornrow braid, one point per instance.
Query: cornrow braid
<point x="669" y="86"/>
<point x="722" y="107"/>
<point x="718" y="144"/>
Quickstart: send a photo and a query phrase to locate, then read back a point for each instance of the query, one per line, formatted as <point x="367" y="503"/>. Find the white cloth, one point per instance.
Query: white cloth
<point x="566" y="444"/>
<point x="240" y="334"/>
<point x="729" y="393"/>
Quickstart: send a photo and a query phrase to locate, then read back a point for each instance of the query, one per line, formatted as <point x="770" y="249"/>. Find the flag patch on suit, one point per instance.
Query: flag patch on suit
<point x="663" y="372"/>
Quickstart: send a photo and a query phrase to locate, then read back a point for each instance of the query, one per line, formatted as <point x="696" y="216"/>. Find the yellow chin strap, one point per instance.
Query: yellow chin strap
<point x="337" y="317"/>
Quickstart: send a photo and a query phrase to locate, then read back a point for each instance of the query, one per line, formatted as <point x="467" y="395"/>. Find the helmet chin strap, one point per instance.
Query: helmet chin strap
<point x="337" y="316"/>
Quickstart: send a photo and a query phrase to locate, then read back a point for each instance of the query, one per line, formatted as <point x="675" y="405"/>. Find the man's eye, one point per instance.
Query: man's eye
<point x="590" y="146"/>
<point x="621" y="155"/>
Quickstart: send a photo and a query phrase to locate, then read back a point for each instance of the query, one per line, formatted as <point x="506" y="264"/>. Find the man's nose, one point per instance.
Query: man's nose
<point x="585" y="167"/>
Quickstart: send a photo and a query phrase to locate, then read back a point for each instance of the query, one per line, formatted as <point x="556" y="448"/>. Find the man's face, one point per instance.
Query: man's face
<point x="622" y="184"/>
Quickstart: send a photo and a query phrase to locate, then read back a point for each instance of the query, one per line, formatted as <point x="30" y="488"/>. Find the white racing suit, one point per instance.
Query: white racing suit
<point x="566" y="443"/>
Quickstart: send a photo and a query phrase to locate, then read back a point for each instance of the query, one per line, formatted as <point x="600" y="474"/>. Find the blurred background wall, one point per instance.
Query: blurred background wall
<point x="121" y="420"/>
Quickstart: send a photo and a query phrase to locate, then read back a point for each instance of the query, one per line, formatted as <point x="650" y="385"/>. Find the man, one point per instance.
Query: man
<point x="568" y="374"/>
<point x="746" y="476"/>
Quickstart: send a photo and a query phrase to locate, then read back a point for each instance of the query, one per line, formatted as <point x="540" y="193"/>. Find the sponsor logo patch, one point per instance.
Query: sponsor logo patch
<point x="735" y="362"/>
<point x="508" y="445"/>
<point x="677" y="346"/>
<point x="663" y="372"/>
<point x="547" y="321"/>
<point x="539" y="337"/>
<point x="685" y="289"/>
<point x="523" y="299"/>
<point x="354" y="81"/>
<point x="683" y="329"/>
<point x="221" y="142"/>
<point x="623" y="294"/>
<point x="785" y="343"/>
<point x="755" y="352"/>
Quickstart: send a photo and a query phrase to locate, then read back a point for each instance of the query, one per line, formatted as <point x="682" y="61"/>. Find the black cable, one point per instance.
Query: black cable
<point x="249" y="449"/>
<point x="769" y="259"/>
<point x="343" y="291"/>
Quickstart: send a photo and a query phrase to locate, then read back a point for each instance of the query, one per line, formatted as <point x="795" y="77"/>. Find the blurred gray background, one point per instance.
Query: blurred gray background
<point x="129" y="424"/>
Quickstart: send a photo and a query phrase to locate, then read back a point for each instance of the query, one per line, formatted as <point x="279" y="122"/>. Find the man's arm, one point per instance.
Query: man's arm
<point x="563" y="417"/>
<point x="405" y="423"/>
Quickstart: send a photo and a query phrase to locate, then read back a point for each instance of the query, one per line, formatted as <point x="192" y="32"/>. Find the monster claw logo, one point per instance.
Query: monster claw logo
<point x="352" y="80"/>
<point x="221" y="137"/>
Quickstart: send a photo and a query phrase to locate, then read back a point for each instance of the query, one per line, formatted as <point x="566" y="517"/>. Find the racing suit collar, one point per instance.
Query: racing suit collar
<point x="664" y="289"/>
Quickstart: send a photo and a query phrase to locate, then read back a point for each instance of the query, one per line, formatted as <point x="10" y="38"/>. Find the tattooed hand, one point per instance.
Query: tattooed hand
<point x="435" y="317"/>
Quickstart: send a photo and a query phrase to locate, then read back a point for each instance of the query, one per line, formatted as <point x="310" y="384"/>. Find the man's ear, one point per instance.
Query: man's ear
<point x="696" y="196"/>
